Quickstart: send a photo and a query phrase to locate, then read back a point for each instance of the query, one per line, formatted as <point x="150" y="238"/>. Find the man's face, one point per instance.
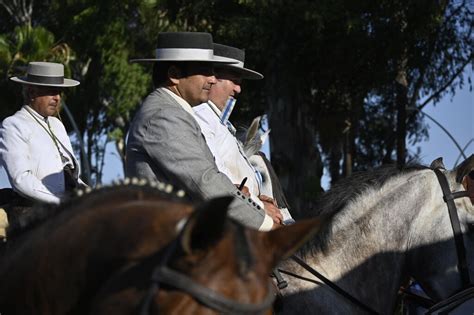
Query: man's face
<point x="45" y="100"/>
<point x="228" y="84"/>
<point x="195" y="82"/>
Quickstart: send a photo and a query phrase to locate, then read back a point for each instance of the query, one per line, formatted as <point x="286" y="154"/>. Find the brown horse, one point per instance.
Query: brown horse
<point x="136" y="250"/>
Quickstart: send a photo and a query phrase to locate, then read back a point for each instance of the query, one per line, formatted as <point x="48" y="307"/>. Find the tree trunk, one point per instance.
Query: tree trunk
<point x="401" y="106"/>
<point x="294" y="154"/>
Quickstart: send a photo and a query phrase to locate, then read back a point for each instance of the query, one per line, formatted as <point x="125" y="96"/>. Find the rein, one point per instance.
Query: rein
<point x="334" y="286"/>
<point x="162" y="274"/>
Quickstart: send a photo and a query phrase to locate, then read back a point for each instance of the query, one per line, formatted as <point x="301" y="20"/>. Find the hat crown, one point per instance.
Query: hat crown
<point x="45" y="69"/>
<point x="229" y="52"/>
<point x="185" y="40"/>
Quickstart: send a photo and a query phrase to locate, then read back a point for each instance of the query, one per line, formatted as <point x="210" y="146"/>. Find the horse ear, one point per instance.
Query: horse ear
<point x="253" y="129"/>
<point x="438" y="163"/>
<point x="464" y="168"/>
<point x="284" y="241"/>
<point x="206" y="225"/>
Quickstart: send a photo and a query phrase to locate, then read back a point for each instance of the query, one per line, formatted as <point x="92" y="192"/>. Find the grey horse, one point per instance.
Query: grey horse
<point x="383" y="227"/>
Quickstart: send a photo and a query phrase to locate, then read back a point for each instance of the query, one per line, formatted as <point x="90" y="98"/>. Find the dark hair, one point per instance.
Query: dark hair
<point x="160" y="73"/>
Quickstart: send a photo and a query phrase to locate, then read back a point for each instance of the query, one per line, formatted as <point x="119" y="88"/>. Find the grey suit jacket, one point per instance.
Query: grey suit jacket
<point x="165" y="143"/>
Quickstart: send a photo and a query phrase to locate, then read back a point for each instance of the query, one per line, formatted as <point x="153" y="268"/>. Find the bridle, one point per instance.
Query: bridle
<point x="162" y="274"/>
<point x="467" y="290"/>
<point x="449" y="198"/>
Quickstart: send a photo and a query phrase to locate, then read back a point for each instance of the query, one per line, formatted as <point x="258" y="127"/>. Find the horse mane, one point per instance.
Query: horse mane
<point x="346" y="190"/>
<point x="43" y="212"/>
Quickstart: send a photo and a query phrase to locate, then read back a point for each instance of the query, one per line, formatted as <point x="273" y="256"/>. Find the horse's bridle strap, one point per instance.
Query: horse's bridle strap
<point x="208" y="297"/>
<point x="449" y="197"/>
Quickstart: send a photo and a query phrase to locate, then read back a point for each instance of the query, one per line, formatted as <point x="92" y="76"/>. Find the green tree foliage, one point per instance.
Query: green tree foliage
<point x="103" y="35"/>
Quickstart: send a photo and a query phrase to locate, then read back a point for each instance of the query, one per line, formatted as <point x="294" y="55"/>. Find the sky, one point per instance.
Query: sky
<point x="455" y="113"/>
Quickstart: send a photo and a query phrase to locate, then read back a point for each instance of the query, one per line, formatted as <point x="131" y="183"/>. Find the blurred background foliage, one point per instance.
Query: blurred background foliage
<point x="344" y="80"/>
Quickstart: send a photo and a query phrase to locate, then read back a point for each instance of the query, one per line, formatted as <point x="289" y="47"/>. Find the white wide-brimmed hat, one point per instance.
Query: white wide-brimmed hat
<point x="238" y="56"/>
<point x="45" y="74"/>
<point x="184" y="46"/>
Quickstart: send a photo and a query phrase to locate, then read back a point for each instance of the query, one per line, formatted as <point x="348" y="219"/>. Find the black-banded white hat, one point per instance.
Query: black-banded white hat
<point x="45" y="74"/>
<point x="238" y="56"/>
<point x="184" y="46"/>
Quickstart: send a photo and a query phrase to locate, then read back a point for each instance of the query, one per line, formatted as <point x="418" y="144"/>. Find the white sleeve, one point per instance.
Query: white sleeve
<point x="14" y="155"/>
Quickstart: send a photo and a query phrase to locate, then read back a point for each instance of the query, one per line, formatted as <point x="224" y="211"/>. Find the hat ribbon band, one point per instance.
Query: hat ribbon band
<point x="184" y="53"/>
<point x="45" y="80"/>
<point x="236" y="63"/>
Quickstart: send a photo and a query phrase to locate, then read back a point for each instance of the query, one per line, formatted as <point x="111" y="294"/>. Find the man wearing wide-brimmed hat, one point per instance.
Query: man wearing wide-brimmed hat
<point x="35" y="149"/>
<point x="213" y="117"/>
<point x="165" y="142"/>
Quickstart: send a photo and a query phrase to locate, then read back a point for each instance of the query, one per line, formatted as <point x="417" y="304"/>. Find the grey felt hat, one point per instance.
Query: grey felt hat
<point x="184" y="46"/>
<point x="45" y="74"/>
<point x="238" y="56"/>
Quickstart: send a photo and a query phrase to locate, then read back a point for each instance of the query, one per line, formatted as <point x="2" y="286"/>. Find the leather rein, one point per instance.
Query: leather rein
<point x="162" y="274"/>
<point x="467" y="288"/>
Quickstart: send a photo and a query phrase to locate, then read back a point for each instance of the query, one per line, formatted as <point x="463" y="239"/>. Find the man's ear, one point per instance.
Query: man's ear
<point x="174" y="74"/>
<point x="31" y="91"/>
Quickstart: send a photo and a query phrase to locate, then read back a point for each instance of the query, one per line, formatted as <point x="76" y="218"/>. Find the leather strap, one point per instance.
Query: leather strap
<point x="333" y="286"/>
<point x="453" y="216"/>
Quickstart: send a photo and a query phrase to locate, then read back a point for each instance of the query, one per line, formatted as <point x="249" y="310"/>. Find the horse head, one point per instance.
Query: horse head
<point x="448" y="240"/>
<point x="214" y="266"/>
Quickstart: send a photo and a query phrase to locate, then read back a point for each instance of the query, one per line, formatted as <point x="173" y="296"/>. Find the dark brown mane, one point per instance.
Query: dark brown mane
<point x="85" y="197"/>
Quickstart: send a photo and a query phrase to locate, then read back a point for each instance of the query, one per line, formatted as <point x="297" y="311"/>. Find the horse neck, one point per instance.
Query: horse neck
<point x="365" y="252"/>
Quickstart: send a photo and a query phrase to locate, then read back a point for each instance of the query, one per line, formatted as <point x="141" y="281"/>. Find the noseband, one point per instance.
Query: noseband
<point x="162" y="274"/>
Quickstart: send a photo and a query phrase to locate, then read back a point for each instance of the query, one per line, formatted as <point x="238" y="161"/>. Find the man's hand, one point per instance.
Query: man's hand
<point x="245" y="190"/>
<point x="271" y="209"/>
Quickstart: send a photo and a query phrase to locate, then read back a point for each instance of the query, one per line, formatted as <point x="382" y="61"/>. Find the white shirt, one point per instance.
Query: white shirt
<point x="30" y="156"/>
<point x="228" y="153"/>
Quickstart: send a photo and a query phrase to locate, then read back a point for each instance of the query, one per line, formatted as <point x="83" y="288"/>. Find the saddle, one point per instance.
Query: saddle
<point x="15" y="212"/>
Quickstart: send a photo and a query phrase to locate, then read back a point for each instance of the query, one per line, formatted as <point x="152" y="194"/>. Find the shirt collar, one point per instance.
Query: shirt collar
<point x="185" y="105"/>
<point x="35" y="113"/>
<point x="214" y="108"/>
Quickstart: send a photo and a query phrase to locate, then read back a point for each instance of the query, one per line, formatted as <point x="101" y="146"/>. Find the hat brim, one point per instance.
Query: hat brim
<point x="66" y="83"/>
<point x="246" y="74"/>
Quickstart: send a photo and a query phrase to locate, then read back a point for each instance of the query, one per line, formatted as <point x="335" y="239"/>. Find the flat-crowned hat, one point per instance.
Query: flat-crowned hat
<point x="238" y="56"/>
<point x="184" y="46"/>
<point x="45" y="74"/>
